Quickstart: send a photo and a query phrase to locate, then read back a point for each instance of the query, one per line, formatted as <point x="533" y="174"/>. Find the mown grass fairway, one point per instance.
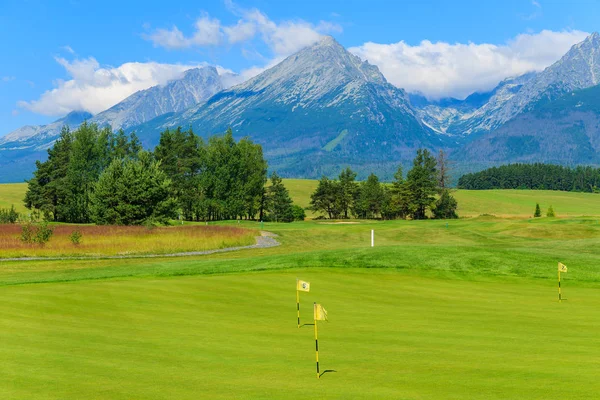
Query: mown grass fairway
<point x="390" y="335"/>
<point x="461" y="309"/>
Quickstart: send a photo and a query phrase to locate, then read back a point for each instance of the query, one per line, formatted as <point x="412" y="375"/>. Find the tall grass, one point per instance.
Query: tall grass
<point x="124" y="240"/>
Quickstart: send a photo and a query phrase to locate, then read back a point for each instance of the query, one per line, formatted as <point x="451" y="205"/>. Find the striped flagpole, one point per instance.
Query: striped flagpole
<point x="316" y="339"/>
<point x="298" y="303"/>
<point x="559" y="294"/>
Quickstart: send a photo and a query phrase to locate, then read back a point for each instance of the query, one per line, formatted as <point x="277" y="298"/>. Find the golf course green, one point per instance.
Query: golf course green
<point x="459" y="309"/>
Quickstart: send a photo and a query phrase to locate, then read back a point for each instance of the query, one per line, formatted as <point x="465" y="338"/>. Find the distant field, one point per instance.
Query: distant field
<point x="506" y="203"/>
<point x="13" y="194"/>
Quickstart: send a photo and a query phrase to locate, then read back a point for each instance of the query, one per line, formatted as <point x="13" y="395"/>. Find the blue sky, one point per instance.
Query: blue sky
<point x="63" y="55"/>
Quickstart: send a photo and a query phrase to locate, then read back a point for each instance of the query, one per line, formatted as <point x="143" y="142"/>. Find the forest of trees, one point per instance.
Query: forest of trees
<point x="96" y="175"/>
<point x="423" y="193"/>
<point x="534" y="176"/>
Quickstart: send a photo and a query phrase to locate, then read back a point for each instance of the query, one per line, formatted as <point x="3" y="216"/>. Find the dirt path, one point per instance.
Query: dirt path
<point x="264" y="241"/>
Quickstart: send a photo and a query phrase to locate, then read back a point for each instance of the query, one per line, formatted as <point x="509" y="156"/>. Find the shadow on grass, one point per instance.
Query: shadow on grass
<point x="327" y="371"/>
<point x="306" y="325"/>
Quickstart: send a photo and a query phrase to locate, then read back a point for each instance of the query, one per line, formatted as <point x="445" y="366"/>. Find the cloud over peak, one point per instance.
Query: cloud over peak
<point x="94" y="88"/>
<point x="442" y="69"/>
<point x="283" y="38"/>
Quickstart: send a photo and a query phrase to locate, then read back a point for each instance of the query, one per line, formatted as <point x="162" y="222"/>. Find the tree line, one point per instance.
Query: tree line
<point x="536" y="176"/>
<point x="96" y="175"/>
<point x="423" y="193"/>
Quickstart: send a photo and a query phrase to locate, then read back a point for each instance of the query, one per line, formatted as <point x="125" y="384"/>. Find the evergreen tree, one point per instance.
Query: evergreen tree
<point x="325" y="198"/>
<point x="279" y="201"/>
<point x="90" y="154"/>
<point x="421" y="184"/>
<point x="181" y="157"/>
<point x="397" y="200"/>
<point x="445" y="207"/>
<point x="348" y="191"/>
<point x="370" y="199"/>
<point x="46" y="191"/>
<point x="132" y="192"/>
<point x="550" y="212"/>
<point x="538" y="212"/>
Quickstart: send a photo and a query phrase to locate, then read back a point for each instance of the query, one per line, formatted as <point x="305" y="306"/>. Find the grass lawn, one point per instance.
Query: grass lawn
<point x="390" y="335"/>
<point x="461" y="309"/>
<point x="13" y="194"/>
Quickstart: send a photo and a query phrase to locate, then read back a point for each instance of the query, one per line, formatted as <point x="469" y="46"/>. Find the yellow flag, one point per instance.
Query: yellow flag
<point x="303" y="286"/>
<point x="562" y="267"/>
<point x="320" y="313"/>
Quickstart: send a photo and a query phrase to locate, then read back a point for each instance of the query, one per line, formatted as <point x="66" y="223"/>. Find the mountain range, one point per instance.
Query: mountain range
<point x="324" y="108"/>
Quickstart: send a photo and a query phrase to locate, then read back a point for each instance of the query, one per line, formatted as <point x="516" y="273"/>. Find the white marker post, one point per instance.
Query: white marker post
<point x="372" y="237"/>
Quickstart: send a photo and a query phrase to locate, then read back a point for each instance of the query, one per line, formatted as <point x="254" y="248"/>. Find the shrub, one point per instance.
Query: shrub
<point x="8" y="215"/>
<point x="298" y="212"/>
<point x="538" y="212"/>
<point x="27" y="233"/>
<point x="39" y="234"/>
<point x="43" y="234"/>
<point x="75" y="237"/>
<point x="550" y="212"/>
<point x="445" y="206"/>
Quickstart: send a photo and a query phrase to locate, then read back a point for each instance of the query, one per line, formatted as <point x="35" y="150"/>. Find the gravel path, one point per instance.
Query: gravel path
<point x="264" y="241"/>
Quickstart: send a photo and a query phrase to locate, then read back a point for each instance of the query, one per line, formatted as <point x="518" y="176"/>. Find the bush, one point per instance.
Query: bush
<point x="445" y="206"/>
<point x="298" y="212"/>
<point x="538" y="212"/>
<point x="27" y="233"/>
<point x="75" y="238"/>
<point x="8" y="215"/>
<point x="39" y="234"/>
<point x="550" y="212"/>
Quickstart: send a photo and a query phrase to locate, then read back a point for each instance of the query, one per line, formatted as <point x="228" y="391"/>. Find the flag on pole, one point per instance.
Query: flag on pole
<point x="562" y="267"/>
<point x="320" y="313"/>
<point x="303" y="286"/>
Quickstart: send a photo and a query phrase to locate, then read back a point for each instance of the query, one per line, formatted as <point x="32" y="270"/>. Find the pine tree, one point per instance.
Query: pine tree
<point x="279" y="202"/>
<point x="325" y="198"/>
<point x="133" y="192"/>
<point x="538" y="212"/>
<point x="421" y="184"/>
<point x="348" y="190"/>
<point x="370" y="199"/>
<point x="445" y="207"/>
<point x="550" y="212"/>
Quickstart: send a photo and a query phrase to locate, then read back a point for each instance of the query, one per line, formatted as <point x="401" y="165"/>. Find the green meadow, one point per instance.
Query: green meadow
<point x="13" y="194"/>
<point x="460" y="309"/>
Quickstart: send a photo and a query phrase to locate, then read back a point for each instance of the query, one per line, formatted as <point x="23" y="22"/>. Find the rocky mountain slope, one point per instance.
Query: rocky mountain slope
<point x="20" y="147"/>
<point x="318" y="109"/>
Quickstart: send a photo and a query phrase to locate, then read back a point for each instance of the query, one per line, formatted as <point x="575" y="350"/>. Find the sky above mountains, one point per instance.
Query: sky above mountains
<point x="61" y="56"/>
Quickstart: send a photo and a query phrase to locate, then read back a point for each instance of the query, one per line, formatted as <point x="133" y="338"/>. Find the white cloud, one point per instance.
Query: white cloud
<point x="68" y="49"/>
<point x="207" y="33"/>
<point x="8" y="78"/>
<point x="95" y="88"/>
<point x="282" y="38"/>
<point x="442" y="69"/>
